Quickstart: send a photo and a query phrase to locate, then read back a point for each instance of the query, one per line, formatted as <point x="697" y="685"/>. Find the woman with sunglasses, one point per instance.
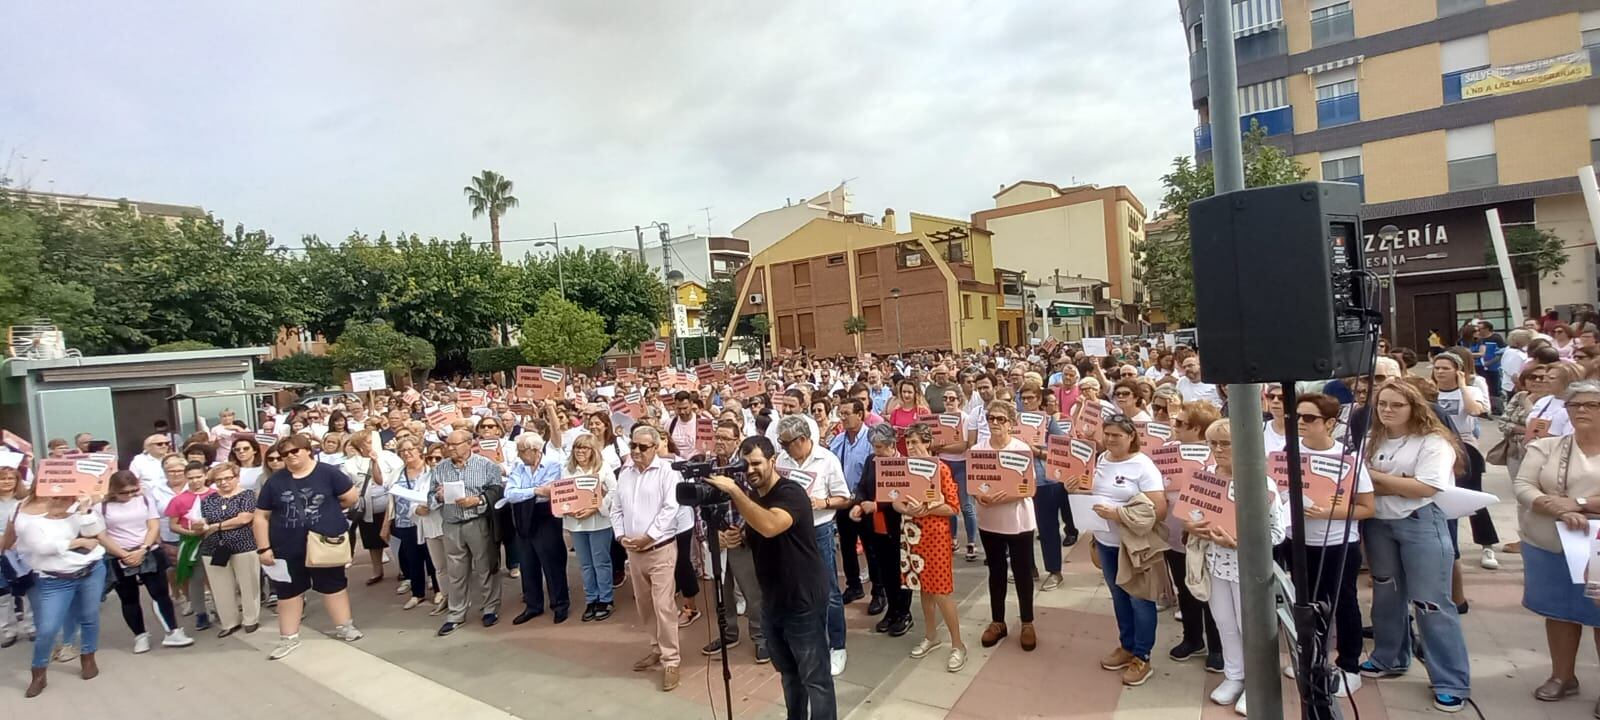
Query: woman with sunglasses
<point x="245" y="453"/>
<point x="1333" y="538"/>
<point x="1006" y="525"/>
<point x="430" y="524"/>
<point x="1126" y="394"/>
<point x="407" y="522"/>
<point x="133" y="528"/>
<point x="1124" y="477"/>
<point x="1221" y="571"/>
<point x="1050" y="496"/>
<point x="229" y="550"/>
<point x="1559" y="482"/>
<point x="308" y="496"/>
<point x="1411" y="456"/>
<point x="1563" y="340"/>
<point x="1274" y="434"/>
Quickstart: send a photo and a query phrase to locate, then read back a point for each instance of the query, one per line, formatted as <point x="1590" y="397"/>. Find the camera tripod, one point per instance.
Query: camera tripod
<point x="715" y="519"/>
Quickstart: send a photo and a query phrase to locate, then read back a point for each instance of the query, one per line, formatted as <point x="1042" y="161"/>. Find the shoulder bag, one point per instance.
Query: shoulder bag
<point x="327" y="551"/>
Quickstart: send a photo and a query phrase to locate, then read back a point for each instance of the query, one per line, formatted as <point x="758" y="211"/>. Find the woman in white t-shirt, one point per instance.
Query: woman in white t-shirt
<point x="1273" y="435"/>
<point x="1333" y="536"/>
<point x="1459" y="398"/>
<point x="1006" y="525"/>
<point x="60" y="539"/>
<point x="1412" y="457"/>
<point x="1121" y="473"/>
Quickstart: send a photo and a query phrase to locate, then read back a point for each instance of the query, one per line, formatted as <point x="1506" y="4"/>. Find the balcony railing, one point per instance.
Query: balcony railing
<point x="1341" y="110"/>
<point x="1277" y="121"/>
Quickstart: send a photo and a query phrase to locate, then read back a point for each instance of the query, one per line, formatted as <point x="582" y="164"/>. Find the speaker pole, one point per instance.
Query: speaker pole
<point x="1257" y="594"/>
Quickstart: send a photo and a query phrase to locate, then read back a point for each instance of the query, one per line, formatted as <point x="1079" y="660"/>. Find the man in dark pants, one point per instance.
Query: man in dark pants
<point x="741" y="567"/>
<point x="853" y="451"/>
<point x="794" y="586"/>
<point x="538" y="532"/>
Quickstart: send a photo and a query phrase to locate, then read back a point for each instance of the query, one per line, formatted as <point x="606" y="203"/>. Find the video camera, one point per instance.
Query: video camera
<point x="694" y="491"/>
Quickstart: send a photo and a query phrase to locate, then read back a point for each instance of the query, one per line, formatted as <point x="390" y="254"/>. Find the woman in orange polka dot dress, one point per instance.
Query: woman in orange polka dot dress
<point x="926" y="548"/>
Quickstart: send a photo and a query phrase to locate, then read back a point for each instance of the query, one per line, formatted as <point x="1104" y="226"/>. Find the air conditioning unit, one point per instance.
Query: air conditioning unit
<point x="757" y="298"/>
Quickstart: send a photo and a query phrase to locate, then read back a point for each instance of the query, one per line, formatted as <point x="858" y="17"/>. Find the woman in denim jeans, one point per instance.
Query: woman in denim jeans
<point x="1411" y="457"/>
<point x="591" y="527"/>
<point x="59" y="539"/>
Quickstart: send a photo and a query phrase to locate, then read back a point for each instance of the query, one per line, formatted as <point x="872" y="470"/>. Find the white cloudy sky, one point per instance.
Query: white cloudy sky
<point x="323" y="117"/>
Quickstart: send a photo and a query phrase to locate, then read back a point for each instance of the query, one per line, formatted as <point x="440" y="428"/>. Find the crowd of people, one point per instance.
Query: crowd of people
<point x="462" y="481"/>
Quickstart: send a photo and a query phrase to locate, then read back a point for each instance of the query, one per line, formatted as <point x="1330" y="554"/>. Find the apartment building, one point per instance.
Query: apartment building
<point x="930" y="288"/>
<point x="1439" y="110"/>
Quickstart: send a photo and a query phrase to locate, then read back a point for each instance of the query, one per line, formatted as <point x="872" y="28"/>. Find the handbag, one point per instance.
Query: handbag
<point x="1498" y="454"/>
<point x="325" y="551"/>
<point x="359" y="510"/>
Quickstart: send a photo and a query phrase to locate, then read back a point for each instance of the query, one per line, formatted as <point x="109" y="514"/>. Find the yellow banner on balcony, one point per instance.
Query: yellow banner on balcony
<point x="1525" y="76"/>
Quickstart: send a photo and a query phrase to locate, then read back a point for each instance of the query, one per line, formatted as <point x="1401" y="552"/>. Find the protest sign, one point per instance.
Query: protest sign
<point x="654" y="353"/>
<point x="71" y="477"/>
<point x="1031" y="428"/>
<point x="990" y="471"/>
<point x="1176" y="462"/>
<point x="1070" y="461"/>
<point x="571" y="494"/>
<point x="368" y="380"/>
<point x="492" y="449"/>
<point x="1207" y="497"/>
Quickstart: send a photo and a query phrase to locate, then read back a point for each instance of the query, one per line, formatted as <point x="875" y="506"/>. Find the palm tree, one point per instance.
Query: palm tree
<point x="490" y="192"/>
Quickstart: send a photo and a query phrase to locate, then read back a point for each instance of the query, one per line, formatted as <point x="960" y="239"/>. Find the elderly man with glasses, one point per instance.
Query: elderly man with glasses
<point x="823" y="477"/>
<point x="469" y="544"/>
<point x="537" y="531"/>
<point x="645" y="518"/>
<point x="147" y="465"/>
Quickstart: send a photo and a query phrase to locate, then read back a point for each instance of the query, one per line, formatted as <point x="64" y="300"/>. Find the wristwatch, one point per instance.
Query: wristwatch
<point x="1583" y="502"/>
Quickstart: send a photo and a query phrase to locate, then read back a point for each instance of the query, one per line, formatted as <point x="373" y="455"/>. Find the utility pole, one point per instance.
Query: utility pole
<point x="1257" y="583"/>
<point x="638" y="234"/>
<point x="672" y="292"/>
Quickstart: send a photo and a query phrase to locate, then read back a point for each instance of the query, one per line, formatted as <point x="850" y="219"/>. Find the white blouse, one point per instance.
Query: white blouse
<point x="1428" y="458"/>
<point x="44" y="542"/>
<point x="608" y="490"/>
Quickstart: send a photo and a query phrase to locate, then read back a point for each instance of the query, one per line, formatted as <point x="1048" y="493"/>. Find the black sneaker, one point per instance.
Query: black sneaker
<point x="879" y="604"/>
<point x="715" y="646"/>
<point x="448" y="628"/>
<point x="588" y="612"/>
<point x="1069" y="538"/>
<point x="762" y="656"/>
<point x="853" y="594"/>
<point x="603" y="611"/>
<point x="1186" y="649"/>
<point x="901" y="625"/>
<point x="1214" y="662"/>
<point x="883" y="624"/>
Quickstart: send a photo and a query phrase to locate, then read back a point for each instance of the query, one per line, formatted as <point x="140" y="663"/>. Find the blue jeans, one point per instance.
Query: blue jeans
<point x="1136" y="617"/>
<point x="59" y="604"/>
<point x="825" y="533"/>
<point x="594" y="557"/>
<point x="799" y="646"/>
<point x="1047" y="503"/>
<point x="969" y="508"/>
<point x="1411" y="562"/>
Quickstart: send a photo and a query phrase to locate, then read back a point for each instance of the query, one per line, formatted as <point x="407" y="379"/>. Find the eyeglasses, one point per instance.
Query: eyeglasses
<point x="1586" y="406"/>
<point x="296" y="451"/>
<point x="1386" y="405"/>
<point x="435" y="459"/>
<point x="641" y="447"/>
<point x="1220" y="444"/>
<point x="1307" y="418"/>
<point x="274" y="458"/>
<point x="1119" y="393"/>
<point x="488" y="426"/>
<point x="1275" y="396"/>
<point x="998" y="419"/>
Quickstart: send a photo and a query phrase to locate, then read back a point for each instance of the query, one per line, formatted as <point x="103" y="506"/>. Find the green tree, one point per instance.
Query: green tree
<point x="717" y="312"/>
<point x="376" y="345"/>
<point x="181" y="346"/>
<point x="632" y="331"/>
<point x="504" y="358"/>
<point x="755" y="343"/>
<point x="27" y="293"/>
<point x="202" y="283"/>
<point x="490" y="194"/>
<point x="301" y="367"/>
<point x="1532" y="250"/>
<point x="1168" y="267"/>
<point x="611" y="285"/>
<point x="854" y="326"/>
<point x="562" y="333"/>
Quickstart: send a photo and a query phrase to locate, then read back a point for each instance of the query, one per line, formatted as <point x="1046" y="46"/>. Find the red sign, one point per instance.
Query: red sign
<point x="631" y="404"/>
<point x="71" y="477"/>
<point x="492" y="449"/>
<point x="1176" y="462"/>
<point x="989" y="471"/>
<point x="1070" y="461"/>
<point x="1087" y="422"/>
<point x="654" y="353"/>
<point x="946" y="427"/>
<point x="901" y="478"/>
<point x="441" y="416"/>
<point x="539" y="384"/>
<point x="472" y="398"/>
<point x="1207" y="497"/>
<point x="569" y="495"/>
<point x="1153" y="434"/>
<point x="1031" y="428"/>
<point x="705" y="436"/>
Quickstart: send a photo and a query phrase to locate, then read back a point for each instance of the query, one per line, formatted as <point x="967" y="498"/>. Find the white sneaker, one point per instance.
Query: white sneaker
<point x="386" y="559"/>
<point x="836" y="661"/>
<point x="141" y="643"/>
<point x="1239" y="707"/>
<point x="65" y="654"/>
<point x="403" y="588"/>
<point x="286" y="645"/>
<point x="411" y="603"/>
<point x="1351" y="684"/>
<point x="1228" y="692"/>
<point x="177" y="638"/>
<point x="1489" y="561"/>
<point x="740" y="607"/>
<point x="347" y="633"/>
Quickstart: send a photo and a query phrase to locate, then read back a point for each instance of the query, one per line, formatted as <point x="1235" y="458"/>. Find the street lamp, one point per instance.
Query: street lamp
<point x="560" y="277"/>
<point x="1388" y="234"/>
<point x="899" y="340"/>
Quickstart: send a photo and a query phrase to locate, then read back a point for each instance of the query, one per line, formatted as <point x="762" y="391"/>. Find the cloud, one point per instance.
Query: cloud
<point x="320" y="118"/>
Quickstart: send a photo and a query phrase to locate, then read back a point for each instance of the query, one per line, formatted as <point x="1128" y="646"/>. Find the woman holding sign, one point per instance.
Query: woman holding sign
<point x="884" y="537"/>
<point x="1050" y="497"/>
<point x="1411" y="457"/>
<point x="1559" y="482"/>
<point x="1006" y="524"/>
<point x="59" y="538"/>
<point x="1190" y="422"/>
<point x="1125" y="478"/>
<point x="929" y="548"/>
<point x="591" y="531"/>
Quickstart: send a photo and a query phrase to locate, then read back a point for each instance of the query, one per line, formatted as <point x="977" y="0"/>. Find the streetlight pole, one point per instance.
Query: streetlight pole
<point x="560" y="276"/>
<point x="899" y="340"/>
<point x="1388" y="234"/>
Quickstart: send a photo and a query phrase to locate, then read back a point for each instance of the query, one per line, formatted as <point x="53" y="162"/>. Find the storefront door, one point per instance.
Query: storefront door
<point x="1431" y="312"/>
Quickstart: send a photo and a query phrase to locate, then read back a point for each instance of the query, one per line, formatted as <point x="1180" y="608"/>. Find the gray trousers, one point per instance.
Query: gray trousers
<point x="741" y="570"/>
<point x="469" y="551"/>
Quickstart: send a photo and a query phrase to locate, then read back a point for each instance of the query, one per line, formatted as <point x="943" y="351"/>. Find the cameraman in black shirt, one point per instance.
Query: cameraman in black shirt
<point x="794" y="592"/>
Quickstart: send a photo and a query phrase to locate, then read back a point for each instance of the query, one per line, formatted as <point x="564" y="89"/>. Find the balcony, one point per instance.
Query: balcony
<point x="1277" y="121"/>
<point x="1341" y="110"/>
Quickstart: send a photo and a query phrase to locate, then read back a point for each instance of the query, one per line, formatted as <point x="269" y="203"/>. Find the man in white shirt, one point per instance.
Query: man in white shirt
<point x="645" y="518"/>
<point x="978" y="413"/>
<point x="792" y="404"/>
<point x="1192" y="388"/>
<point x="822" y="475"/>
<point x="147" y="465"/>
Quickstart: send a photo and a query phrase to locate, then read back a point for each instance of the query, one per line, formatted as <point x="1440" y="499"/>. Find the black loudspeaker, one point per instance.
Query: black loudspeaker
<point x="1278" y="295"/>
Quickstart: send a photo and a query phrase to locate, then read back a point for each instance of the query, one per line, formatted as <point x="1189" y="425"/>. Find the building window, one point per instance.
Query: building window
<point x="1258" y="45"/>
<point x="867" y="263"/>
<point x="1459" y="57"/>
<point x="1451" y="7"/>
<point x="1344" y="166"/>
<point x="1594" y="134"/>
<point x="1331" y="23"/>
<point x="1471" y="156"/>
<point x="802" y="273"/>
<point x="909" y="256"/>
<point x="1338" y="99"/>
<point x="966" y="306"/>
<point x="956" y="252"/>
<point x="1589" y="23"/>
<point x="1487" y="305"/>
<point x="873" y="314"/>
<point x="835" y="260"/>
<point x="986" y="311"/>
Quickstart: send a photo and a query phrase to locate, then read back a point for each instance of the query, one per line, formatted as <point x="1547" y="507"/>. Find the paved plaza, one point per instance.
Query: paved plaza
<point x="582" y="670"/>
